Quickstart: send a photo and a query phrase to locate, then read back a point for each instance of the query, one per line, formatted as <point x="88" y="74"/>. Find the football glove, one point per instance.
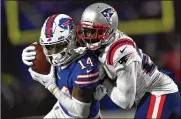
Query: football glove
<point x="28" y="55"/>
<point x="100" y="92"/>
<point x="46" y="80"/>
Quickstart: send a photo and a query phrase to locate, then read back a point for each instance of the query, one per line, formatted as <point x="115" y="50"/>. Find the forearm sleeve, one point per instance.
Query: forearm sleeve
<point x="73" y="106"/>
<point x="123" y="93"/>
<point x="116" y="96"/>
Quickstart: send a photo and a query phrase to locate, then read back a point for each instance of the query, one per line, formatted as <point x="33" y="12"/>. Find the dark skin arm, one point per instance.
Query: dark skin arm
<point x="83" y="94"/>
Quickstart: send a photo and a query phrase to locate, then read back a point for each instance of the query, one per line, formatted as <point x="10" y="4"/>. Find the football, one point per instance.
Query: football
<point x="40" y="64"/>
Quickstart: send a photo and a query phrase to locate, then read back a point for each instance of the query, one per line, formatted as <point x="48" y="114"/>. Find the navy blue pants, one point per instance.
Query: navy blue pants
<point x="163" y="107"/>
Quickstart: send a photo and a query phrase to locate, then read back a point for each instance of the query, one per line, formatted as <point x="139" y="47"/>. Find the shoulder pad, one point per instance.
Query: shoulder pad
<point x="125" y="46"/>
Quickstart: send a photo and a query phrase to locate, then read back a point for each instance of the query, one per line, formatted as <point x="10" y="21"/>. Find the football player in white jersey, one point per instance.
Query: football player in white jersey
<point x="73" y="77"/>
<point x="134" y="77"/>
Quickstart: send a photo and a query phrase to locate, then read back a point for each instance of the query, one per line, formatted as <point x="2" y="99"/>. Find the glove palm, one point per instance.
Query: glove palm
<point x="47" y="80"/>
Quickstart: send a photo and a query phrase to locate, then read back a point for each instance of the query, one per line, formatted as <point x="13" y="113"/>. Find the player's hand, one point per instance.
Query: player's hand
<point x="100" y="92"/>
<point x="46" y="80"/>
<point x="28" y="55"/>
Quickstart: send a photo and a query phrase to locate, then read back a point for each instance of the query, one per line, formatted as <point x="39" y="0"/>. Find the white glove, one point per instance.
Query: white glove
<point x="100" y="92"/>
<point x="28" y="55"/>
<point x="47" y="80"/>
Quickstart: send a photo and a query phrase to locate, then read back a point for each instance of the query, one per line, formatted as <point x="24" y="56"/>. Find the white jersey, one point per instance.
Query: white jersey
<point x="120" y="54"/>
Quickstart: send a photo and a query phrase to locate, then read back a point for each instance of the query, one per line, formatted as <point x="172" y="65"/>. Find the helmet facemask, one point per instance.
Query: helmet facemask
<point x="60" y="53"/>
<point x="101" y="17"/>
<point x="92" y="35"/>
<point x="58" y="37"/>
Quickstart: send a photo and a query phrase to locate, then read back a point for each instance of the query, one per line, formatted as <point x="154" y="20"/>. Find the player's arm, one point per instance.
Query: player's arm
<point x="78" y="105"/>
<point x="124" y="60"/>
<point x="123" y="92"/>
<point x="82" y="98"/>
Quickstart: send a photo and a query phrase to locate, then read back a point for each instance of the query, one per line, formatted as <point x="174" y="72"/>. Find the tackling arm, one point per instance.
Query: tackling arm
<point x="123" y="93"/>
<point x="124" y="60"/>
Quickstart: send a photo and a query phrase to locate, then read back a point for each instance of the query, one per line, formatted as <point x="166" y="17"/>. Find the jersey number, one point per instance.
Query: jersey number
<point x="89" y="62"/>
<point x="147" y="65"/>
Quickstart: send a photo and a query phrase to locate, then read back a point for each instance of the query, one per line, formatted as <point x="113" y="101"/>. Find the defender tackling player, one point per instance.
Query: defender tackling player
<point x="137" y="79"/>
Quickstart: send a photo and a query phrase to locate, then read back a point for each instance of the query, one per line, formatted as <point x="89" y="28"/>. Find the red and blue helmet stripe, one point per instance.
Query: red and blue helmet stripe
<point x="49" y="26"/>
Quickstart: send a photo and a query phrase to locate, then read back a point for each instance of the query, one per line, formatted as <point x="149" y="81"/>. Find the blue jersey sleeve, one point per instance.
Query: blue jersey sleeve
<point x="87" y="73"/>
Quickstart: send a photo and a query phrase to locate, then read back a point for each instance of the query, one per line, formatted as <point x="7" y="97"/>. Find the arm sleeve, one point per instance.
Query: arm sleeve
<point x="74" y="107"/>
<point x="123" y="93"/>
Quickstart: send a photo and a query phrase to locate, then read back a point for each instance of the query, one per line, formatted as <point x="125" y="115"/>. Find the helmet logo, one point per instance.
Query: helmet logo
<point x="65" y="23"/>
<point x="107" y="13"/>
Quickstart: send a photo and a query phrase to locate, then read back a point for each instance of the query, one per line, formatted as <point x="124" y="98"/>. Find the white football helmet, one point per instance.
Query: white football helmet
<point x="58" y="38"/>
<point x="98" y="24"/>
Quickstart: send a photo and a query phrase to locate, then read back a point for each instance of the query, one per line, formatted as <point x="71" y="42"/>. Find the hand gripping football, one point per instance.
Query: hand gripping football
<point x="40" y="64"/>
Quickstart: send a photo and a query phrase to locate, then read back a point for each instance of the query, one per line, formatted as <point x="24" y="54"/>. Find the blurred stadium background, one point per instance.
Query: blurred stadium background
<point x="154" y="25"/>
